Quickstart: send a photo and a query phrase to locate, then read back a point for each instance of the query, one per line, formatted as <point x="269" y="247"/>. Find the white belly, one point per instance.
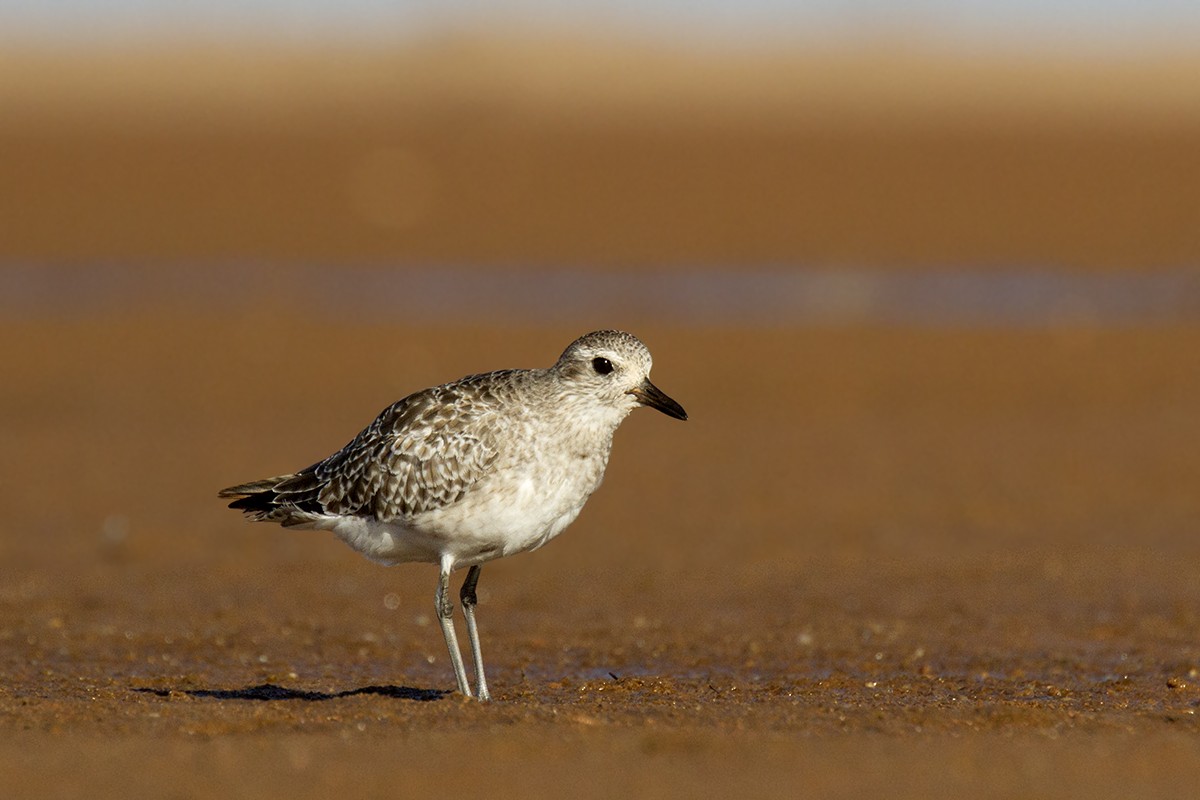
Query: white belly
<point x="490" y="522"/>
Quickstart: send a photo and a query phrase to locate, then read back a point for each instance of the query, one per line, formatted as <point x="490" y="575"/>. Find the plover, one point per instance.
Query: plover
<point x="460" y="474"/>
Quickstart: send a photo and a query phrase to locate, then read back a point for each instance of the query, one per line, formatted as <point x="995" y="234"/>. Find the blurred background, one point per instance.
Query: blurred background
<point x="924" y="274"/>
<point x="936" y="134"/>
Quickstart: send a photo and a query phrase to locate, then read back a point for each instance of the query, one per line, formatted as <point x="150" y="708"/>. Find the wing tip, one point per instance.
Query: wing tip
<point x="252" y="488"/>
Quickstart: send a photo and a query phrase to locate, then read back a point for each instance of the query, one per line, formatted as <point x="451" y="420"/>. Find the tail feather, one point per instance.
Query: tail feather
<point x="258" y="499"/>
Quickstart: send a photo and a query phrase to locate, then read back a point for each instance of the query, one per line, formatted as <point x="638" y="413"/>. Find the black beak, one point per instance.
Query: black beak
<point x="650" y="395"/>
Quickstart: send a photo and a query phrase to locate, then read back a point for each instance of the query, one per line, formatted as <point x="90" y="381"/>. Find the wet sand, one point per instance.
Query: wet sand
<point x="921" y="562"/>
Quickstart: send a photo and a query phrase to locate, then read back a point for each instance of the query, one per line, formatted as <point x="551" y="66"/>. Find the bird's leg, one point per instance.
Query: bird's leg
<point x="445" y="612"/>
<point x="467" y="595"/>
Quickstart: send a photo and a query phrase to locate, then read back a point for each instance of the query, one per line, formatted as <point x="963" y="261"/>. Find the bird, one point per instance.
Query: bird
<point x="460" y="474"/>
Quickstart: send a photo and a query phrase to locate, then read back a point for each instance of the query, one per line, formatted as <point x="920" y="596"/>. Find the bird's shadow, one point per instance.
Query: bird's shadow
<point x="266" y="692"/>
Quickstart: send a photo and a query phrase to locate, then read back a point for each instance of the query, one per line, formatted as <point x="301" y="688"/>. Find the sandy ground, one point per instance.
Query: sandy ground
<point x="926" y="563"/>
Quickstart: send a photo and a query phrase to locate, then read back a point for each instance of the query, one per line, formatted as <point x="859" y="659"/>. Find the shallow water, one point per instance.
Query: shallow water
<point x="734" y="296"/>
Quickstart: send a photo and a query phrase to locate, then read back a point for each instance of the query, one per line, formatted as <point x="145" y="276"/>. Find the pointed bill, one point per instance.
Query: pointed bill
<point x="650" y="395"/>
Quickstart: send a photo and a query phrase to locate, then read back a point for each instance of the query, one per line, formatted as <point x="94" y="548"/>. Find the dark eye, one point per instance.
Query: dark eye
<point x="602" y="366"/>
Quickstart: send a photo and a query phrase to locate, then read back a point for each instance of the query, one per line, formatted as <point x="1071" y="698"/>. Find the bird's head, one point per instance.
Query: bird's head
<point x="614" y="367"/>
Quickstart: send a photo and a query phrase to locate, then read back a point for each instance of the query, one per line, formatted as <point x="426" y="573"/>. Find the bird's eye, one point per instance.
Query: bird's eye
<point x="602" y="366"/>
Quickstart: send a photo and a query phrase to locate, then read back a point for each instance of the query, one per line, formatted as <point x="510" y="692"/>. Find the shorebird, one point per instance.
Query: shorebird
<point x="463" y="473"/>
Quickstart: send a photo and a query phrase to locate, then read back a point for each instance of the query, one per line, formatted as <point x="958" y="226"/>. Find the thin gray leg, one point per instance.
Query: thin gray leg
<point x="467" y="595"/>
<point x="445" y="612"/>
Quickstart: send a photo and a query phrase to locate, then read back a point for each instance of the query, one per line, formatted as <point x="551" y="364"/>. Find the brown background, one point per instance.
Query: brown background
<point x="919" y="560"/>
<point x="536" y="150"/>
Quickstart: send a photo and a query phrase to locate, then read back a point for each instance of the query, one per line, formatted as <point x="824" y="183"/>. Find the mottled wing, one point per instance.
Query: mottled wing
<point x="423" y="452"/>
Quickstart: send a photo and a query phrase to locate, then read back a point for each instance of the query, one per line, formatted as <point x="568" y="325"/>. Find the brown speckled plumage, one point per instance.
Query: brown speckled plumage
<point x="421" y="453"/>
